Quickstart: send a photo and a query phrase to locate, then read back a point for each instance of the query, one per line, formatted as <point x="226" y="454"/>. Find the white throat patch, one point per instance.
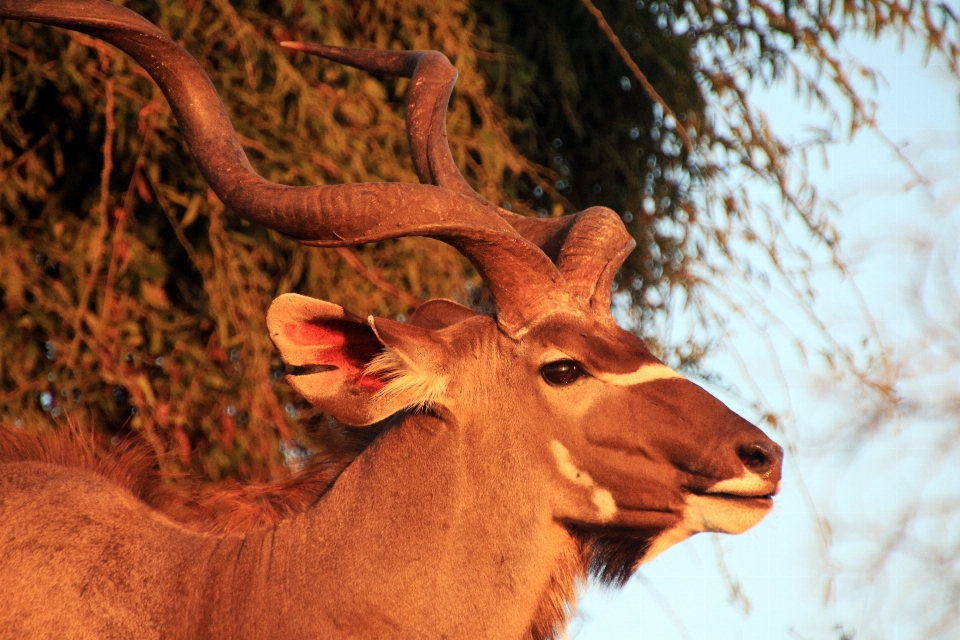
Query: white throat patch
<point x="712" y="513"/>
<point x="646" y="373"/>
<point x="601" y="498"/>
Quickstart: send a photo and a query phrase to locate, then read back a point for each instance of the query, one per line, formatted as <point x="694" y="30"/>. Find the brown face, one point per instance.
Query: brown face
<point x="644" y="449"/>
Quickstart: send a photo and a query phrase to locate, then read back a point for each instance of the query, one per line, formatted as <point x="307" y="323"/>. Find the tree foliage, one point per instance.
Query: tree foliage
<point x="130" y="299"/>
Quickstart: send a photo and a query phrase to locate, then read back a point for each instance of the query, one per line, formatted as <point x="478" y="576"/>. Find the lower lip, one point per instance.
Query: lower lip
<point x="758" y="502"/>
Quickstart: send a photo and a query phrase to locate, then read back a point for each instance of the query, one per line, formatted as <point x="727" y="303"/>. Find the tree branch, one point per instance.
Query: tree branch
<point x="642" y="79"/>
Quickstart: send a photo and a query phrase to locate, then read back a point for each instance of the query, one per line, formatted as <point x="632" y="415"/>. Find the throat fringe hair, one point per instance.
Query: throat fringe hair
<point x="609" y="558"/>
<point x="404" y="381"/>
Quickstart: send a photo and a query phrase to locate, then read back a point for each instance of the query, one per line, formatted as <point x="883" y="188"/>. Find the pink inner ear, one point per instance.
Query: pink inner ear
<point x="348" y="346"/>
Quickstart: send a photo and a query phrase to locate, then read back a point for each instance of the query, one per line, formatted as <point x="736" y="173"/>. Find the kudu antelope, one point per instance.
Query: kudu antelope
<point x="518" y="451"/>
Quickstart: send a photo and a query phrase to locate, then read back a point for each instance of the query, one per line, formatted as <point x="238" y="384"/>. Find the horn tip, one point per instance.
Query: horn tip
<point x="296" y="46"/>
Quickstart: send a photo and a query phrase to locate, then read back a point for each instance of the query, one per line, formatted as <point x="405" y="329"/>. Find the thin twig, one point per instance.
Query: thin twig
<point x="240" y="30"/>
<point x="167" y="208"/>
<point x="664" y="605"/>
<point x="354" y="261"/>
<point x="273" y="407"/>
<point x="642" y="79"/>
<point x="102" y="207"/>
<point x="121" y="214"/>
<point x="24" y="157"/>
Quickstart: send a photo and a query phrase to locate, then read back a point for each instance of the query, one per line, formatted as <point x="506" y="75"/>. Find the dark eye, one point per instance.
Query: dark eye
<point x="562" y="372"/>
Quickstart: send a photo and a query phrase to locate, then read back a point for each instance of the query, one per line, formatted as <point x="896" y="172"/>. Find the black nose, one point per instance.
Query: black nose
<point x="760" y="456"/>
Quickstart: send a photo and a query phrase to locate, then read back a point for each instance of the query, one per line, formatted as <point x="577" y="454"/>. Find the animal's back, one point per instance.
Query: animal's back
<point x="81" y="557"/>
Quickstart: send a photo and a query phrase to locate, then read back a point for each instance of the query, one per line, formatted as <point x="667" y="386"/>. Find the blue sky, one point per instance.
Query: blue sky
<point x="805" y="572"/>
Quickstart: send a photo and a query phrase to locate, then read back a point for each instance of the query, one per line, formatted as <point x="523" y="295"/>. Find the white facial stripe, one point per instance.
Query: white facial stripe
<point x="567" y="469"/>
<point x="601" y="498"/>
<point x="604" y="502"/>
<point x="646" y="373"/>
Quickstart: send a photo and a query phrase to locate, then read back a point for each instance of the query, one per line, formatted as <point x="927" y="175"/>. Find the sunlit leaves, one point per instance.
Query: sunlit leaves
<point x="130" y="298"/>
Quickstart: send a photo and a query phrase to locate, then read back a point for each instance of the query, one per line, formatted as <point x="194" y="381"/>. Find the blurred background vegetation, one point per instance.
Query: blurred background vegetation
<point x="132" y="300"/>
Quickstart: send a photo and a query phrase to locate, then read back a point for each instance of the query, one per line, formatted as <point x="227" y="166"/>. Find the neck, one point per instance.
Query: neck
<point x="421" y="532"/>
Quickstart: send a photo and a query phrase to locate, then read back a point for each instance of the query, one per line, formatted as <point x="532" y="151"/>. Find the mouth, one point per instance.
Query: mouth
<point x="725" y="512"/>
<point x="764" y="501"/>
<point x="746" y="487"/>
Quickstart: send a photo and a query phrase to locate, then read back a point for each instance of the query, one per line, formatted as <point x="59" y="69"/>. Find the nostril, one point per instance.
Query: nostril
<point x="758" y="457"/>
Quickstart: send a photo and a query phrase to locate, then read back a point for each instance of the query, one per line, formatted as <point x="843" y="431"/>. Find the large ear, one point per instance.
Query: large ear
<point x="329" y="351"/>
